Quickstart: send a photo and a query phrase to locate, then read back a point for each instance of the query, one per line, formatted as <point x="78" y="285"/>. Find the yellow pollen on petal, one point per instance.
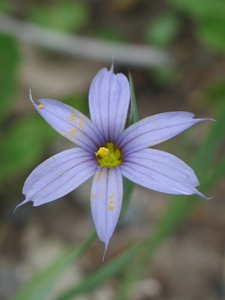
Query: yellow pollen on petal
<point x="81" y="125"/>
<point x="40" y="106"/>
<point x="72" y="117"/>
<point x="100" y="177"/>
<point x="72" y="131"/>
<point x="110" y="207"/>
<point x="110" y="197"/>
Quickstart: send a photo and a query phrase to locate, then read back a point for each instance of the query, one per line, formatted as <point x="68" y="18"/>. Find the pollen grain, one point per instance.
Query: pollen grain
<point x="110" y="207"/>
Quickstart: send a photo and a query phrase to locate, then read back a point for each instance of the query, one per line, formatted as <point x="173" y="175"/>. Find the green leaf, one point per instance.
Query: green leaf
<point x="133" y="118"/>
<point x="163" y="30"/>
<point x="9" y="60"/>
<point x="66" y="16"/>
<point x="165" y="76"/>
<point x="211" y="31"/>
<point x="5" y="6"/>
<point x="77" y="101"/>
<point x="200" y="8"/>
<point x="210" y="146"/>
<point x="128" y="187"/>
<point x="215" y="92"/>
<point x="42" y="284"/>
<point x="110" y="33"/>
<point x="23" y="145"/>
<point x="209" y="16"/>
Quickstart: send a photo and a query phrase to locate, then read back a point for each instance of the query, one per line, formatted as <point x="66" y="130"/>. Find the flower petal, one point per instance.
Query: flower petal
<point x="106" y="200"/>
<point x="70" y="123"/>
<point x="58" y="175"/>
<point x="160" y="171"/>
<point x="154" y="130"/>
<point x="109" y="98"/>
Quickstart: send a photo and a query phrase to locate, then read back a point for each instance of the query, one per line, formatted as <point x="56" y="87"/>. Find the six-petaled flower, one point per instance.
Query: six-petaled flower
<point x="108" y="151"/>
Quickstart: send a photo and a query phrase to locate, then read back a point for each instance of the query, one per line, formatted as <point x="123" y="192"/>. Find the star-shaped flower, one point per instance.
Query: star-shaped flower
<point x="108" y="151"/>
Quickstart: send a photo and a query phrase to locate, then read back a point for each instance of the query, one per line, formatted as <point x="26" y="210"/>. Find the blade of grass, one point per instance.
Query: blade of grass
<point x="133" y="118"/>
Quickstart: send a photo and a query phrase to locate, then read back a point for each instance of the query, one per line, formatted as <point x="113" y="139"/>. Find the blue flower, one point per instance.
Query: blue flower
<point x="108" y="151"/>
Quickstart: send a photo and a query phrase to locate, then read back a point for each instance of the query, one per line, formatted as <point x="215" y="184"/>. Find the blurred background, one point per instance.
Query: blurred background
<point x="175" y="52"/>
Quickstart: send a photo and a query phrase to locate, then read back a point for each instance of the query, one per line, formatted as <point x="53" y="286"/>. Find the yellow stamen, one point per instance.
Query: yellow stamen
<point x="108" y="156"/>
<point x="102" y="152"/>
<point x="40" y="106"/>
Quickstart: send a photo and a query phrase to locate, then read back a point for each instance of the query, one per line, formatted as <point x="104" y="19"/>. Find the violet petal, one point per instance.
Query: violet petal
<point x="154" y="130"/>
<point x="109" y="98"/>
<point x="106" y="201"/>
<point x="160" y="171"/>
<point x="70" y="123"/>
<point x="58" y="175"/>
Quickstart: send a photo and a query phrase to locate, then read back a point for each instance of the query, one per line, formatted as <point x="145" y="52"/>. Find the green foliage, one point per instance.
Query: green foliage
<point x="212" y="30"/>
<point x="209" y="17"/>
<point x="165" y="76"/>
<point x="109" y="34"/>
<point x="66" y="16"/>
<point x="9" y="60"/>
<point x="215" y="92"/>
<point x="23" y="145"/>
<point x="163" y="30"/>
<point x="201" y="8"/>
<point x="5" y="6"/>
<point x="77" y="101"/>
<point x="133" y="118"/>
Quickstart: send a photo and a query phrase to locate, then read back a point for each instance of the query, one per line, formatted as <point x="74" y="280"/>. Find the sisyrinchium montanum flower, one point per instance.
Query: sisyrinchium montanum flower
<point x="107" y="151"/>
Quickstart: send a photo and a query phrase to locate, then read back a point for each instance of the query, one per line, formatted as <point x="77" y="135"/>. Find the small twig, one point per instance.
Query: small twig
<point x="90" y="48"/>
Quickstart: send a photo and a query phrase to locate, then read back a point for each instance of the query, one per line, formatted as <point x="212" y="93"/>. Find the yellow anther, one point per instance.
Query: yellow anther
<point x="108" y="156"/>
<point x="40" y="106"/>
<point x="102" y="152"/>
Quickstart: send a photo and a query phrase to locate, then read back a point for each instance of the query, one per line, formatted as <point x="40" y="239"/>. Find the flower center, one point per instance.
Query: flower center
<point x="108" y="156"/>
